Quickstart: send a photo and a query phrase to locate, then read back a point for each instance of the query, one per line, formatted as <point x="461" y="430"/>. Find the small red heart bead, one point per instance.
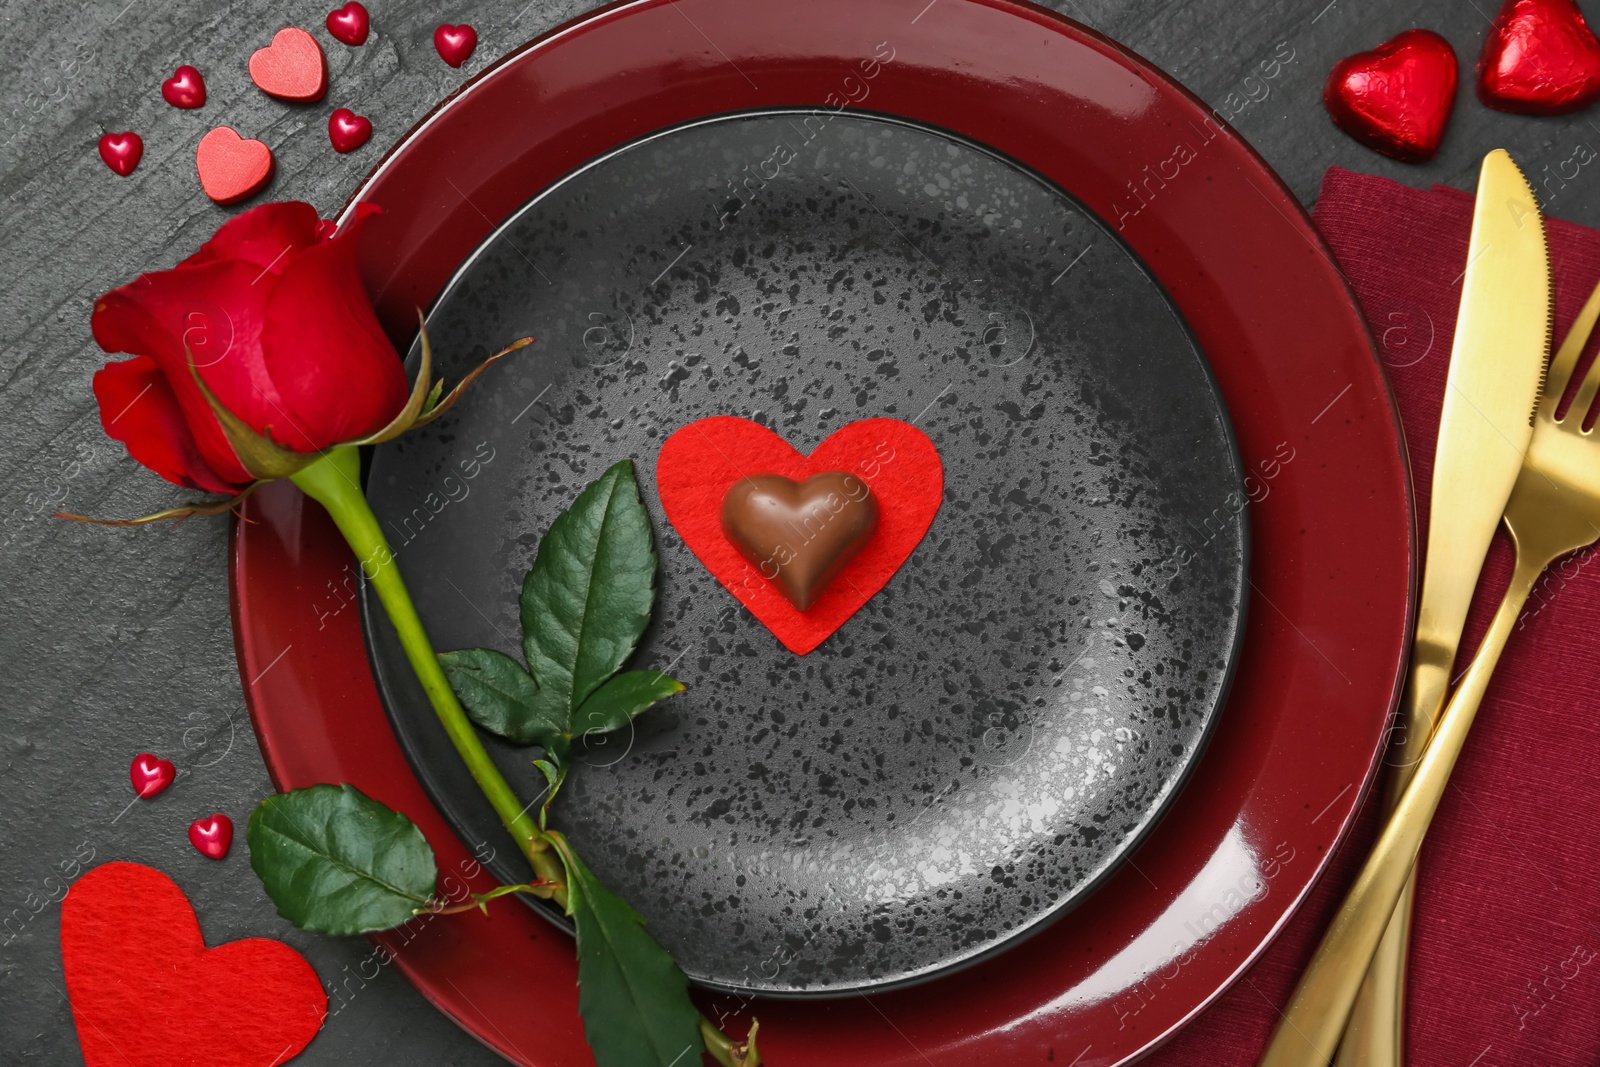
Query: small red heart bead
<point x="150" y="774"/>
<point x="1397" y="98"/>
<point x="455" y="43"/>
<point x="1540" y="58"/>
<point x="350" y="24"/>
<point x="347" y="130"/>
<point x="212" y="836"/>
<point x="122" y="151"/>
<point x="231" y="167"/>
<point x="292" y="67"/>
<point x="186" y="88"/>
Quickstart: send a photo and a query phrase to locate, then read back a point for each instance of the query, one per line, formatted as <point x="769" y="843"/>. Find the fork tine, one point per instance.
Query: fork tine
<point x="1585" y="398"/>
<point x="1566" y="358"/>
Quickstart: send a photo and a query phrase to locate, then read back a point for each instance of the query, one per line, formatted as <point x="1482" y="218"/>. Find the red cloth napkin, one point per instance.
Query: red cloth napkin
<point x="1505" y="965"/>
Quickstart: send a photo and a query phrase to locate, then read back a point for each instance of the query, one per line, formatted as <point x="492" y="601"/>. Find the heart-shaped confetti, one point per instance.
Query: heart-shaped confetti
<point x="1397" y="98"/>
<point x="231" y="167"/>
<point x="147" y="992"/>
<point x="455" y="43"/>
<point x="898" y="464"/>
<point x="347" y="130"/>
<point x="350" y="24"/>
<point x="185" y="89"/>
<point x="122" y="151"/>
<point x="150" y="774"/>
<point x="1540" y="58"/>
<point x="292" y="67"/>
<point x="212" y="836"/>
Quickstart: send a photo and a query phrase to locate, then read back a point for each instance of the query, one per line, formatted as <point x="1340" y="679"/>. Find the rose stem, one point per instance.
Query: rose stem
<point x="334" y="481"/>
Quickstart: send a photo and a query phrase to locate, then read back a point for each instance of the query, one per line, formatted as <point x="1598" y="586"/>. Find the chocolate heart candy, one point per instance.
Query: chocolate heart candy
<point x="799" y="535"/>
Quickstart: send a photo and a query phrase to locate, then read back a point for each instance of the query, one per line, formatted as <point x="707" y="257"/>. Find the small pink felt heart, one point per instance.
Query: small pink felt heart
<point x="122" y="151"/>
<point x="455" y="43"/>
<point x="347" y="130"/>
<point x="213" y="836"/>
<point x="292" y="67"/>
<point x="231" y="167"/>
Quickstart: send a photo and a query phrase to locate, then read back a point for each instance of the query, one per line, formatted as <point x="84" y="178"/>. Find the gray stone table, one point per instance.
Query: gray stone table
<point x="117" y="641"/>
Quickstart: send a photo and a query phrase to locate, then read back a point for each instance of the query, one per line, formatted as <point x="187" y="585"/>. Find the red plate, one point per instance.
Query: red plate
<point x="1330" y="511"/>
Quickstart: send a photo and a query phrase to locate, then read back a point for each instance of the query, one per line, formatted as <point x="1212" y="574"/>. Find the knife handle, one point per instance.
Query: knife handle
<point x="1375" y="1036"/>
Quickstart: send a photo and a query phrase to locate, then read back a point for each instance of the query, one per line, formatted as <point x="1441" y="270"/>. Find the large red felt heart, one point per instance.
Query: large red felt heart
<point x="231" y="167"/>
<point x="1540" y="58"/>
<point x="146" y="992"/>
<point x="700" y="462"/>
<point x="1397" y="98"/>
<point x="292" y="67"/>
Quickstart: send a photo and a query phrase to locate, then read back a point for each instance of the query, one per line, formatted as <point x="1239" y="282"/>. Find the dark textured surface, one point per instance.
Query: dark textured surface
<point x="118" y="641"/>
<point x="978" y="745"/>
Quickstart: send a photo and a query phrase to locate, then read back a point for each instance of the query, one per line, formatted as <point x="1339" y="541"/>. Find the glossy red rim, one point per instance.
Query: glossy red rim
<point x="1330" y="510"/>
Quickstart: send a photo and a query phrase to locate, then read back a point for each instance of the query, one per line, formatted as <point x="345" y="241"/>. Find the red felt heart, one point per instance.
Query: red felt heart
<point x="699" y="463"/>
<point x="150" y="774"/>
<point x="292" y="67"/>
<point x="1397" y="98"/>
<point x="186" y="88"/>
<point x="347" y="130"/>
<point x="350" y="24"/>
<point x="213" y="835"/>
<point x="146" y="992"/>
<point x="231" y="167"/>
<point x="455" y="43"/>
<point x="122" y="151"/>
<point x="1540" y="58"/>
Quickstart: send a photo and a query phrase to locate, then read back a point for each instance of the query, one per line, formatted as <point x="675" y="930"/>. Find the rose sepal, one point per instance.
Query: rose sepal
<point x="262" y="457"/>
<point x="195" y="509"/>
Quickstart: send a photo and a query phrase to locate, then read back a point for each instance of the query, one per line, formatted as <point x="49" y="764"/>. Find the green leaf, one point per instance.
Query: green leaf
<point x="334" y="860"/>
<point x="616" y="702"/>
<point x="585" y="602"/>
<point x="552" y="773"/>
<point x="503" y="698"/>
<point x="590" y="592"/>
<point x="633" y="997"/>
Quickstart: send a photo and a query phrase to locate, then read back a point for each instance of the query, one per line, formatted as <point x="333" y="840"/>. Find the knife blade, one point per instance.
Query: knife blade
<point x="1497" y="364"/>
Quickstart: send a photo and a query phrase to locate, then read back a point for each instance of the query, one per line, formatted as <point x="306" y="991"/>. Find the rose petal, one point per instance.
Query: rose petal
<point x="335" y="369"/>
<point x="138" y="408"/>
<point x="216" y="309"/>
<point x="265" y="236"/>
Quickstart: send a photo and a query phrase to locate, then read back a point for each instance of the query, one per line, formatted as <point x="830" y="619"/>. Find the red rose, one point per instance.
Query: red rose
<point x="278" y="324"/>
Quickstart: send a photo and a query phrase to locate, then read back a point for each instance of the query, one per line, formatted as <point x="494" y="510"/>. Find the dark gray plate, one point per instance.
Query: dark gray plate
<point x="980" y="745"/>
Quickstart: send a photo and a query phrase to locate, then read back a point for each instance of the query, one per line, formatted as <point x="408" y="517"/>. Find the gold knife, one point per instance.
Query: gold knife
<point x="1498" y="358"/>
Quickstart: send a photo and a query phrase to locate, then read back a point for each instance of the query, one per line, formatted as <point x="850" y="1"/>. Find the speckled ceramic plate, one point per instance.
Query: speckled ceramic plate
<point x="1332" y="562"/>
<point x="972" y="752"/>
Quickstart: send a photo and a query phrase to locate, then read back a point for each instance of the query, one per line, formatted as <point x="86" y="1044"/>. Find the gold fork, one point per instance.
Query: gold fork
<point x="1554" y="509"/>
